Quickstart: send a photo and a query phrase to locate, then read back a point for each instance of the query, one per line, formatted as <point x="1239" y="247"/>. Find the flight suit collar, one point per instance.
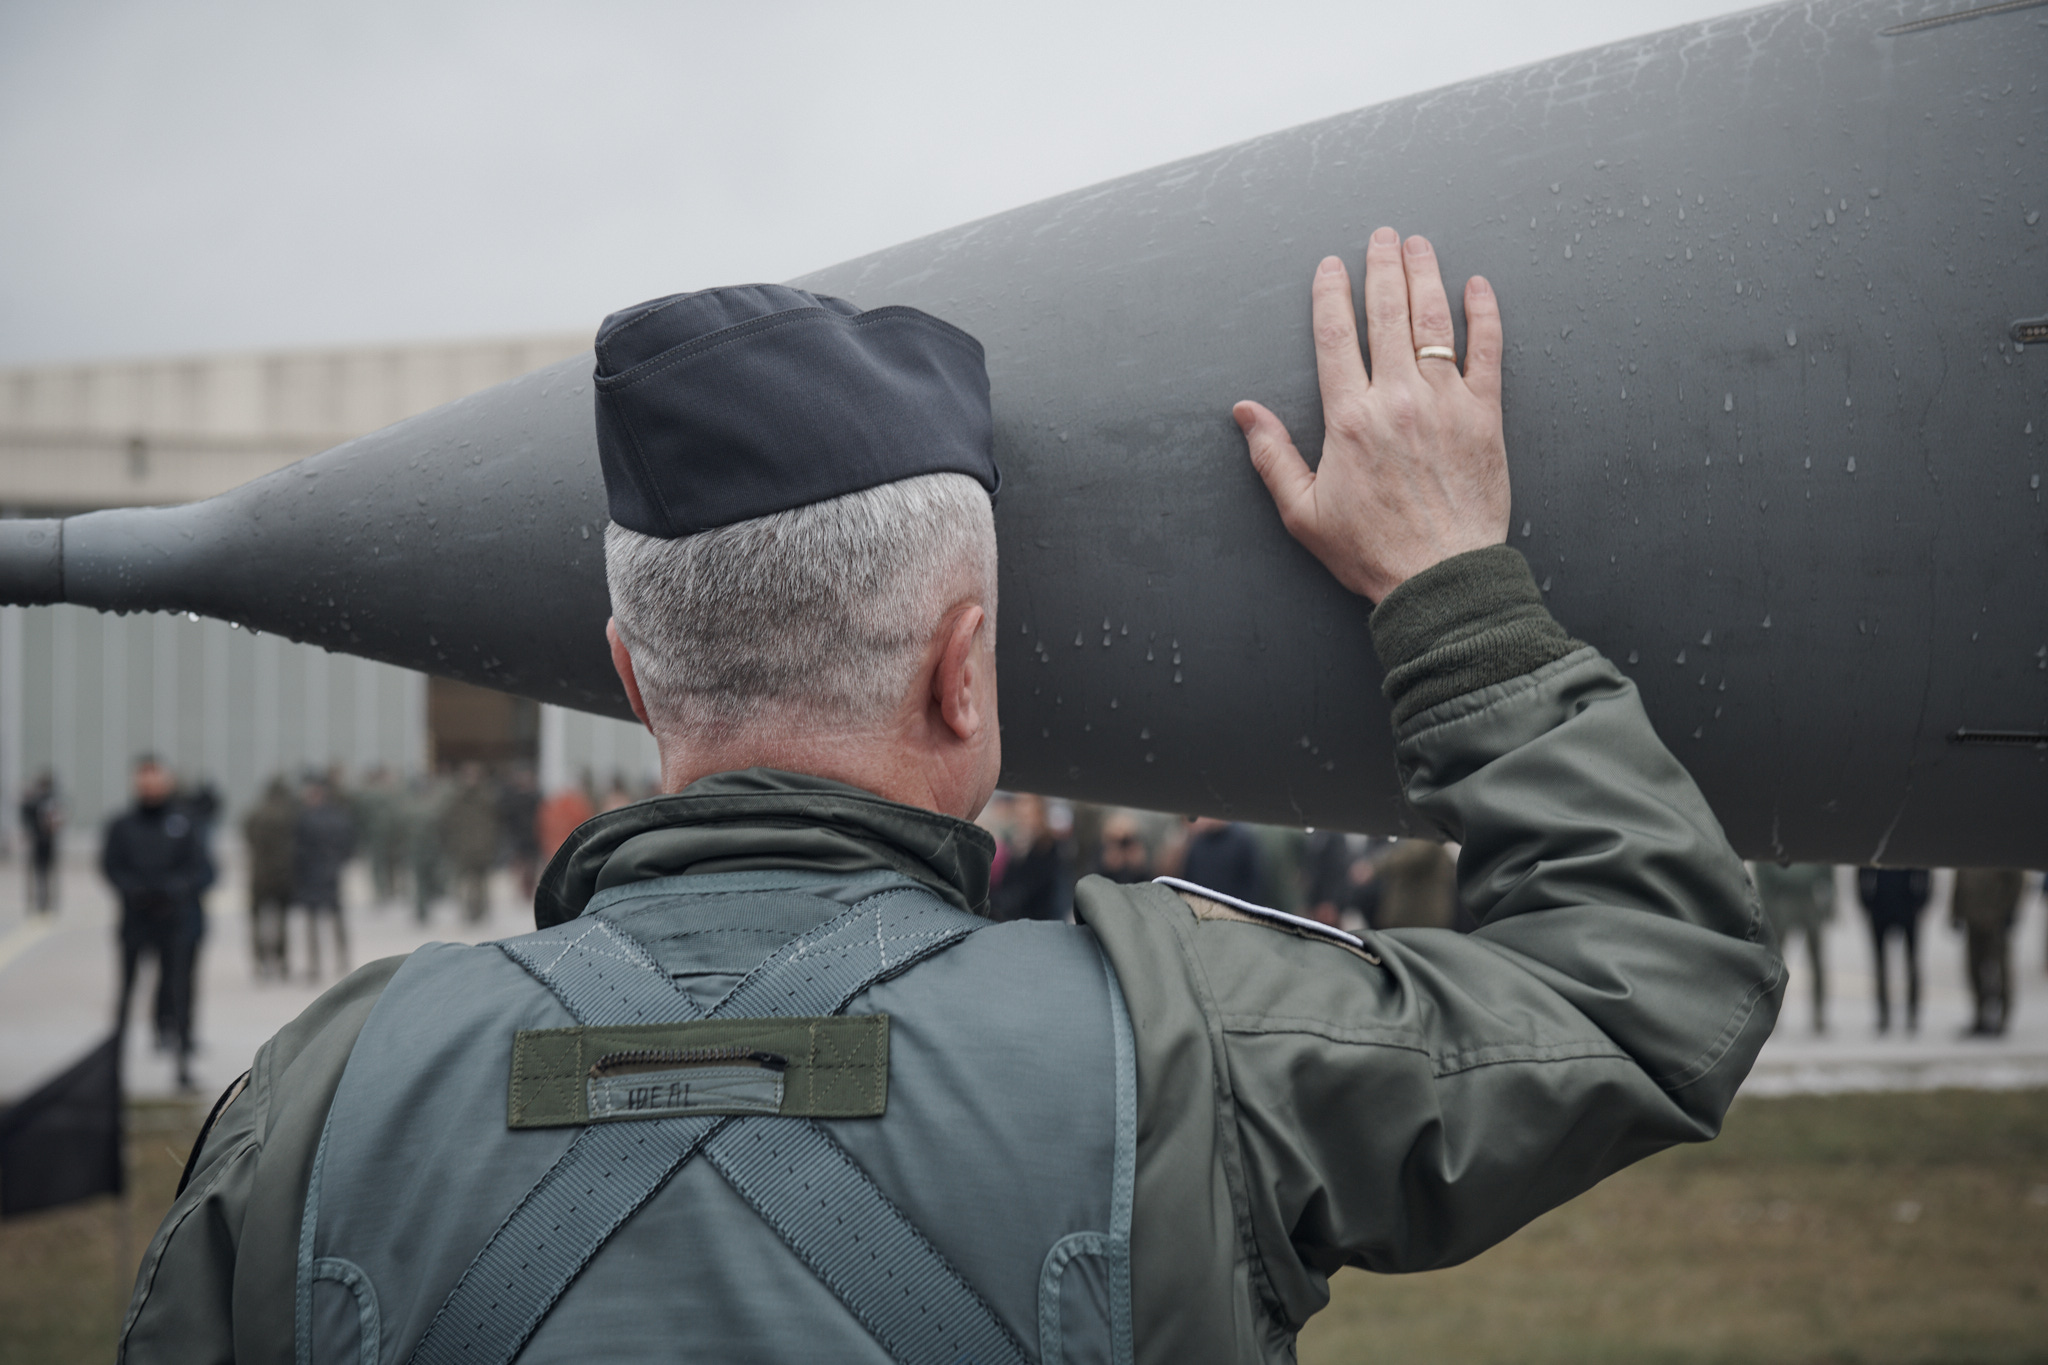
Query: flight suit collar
<point x="762" y="818"/>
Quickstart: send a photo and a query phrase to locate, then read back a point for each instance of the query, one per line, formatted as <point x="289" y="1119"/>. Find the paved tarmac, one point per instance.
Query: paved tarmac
<point x="1852" y="1055"/>
<point x="58" y="979"/>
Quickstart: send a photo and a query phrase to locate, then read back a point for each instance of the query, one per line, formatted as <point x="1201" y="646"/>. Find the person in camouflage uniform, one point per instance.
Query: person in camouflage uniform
<point x="419" y="817"/>
<point x="1800" y="899"/>
<point x="270" y="830"/>
<point x="1984" y="906"/>
<point x="380" y="832"/>
<point x="470" y="839"/>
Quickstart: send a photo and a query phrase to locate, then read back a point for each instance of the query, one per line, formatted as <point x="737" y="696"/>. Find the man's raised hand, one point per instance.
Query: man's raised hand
<point x="1414" y="466"/>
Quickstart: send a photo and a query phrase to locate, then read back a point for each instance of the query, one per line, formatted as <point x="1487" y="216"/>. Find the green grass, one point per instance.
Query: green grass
<point x="65" y="1274"/>
<point x="1905" y="1228"/>
<point x="1851" y="1230"/>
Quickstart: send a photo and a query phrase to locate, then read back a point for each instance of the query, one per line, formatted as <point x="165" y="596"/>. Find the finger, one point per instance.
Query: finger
<point x="1429" y="310"/>
<point x="1280" y="466"/>
<point x="1387" y="334"/>
<point x="1340" y="369"/>
<point x="1482" y="339"/>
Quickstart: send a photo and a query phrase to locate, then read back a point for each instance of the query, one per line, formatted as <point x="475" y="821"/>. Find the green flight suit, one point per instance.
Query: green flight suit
<point x="1302" y="1105"/>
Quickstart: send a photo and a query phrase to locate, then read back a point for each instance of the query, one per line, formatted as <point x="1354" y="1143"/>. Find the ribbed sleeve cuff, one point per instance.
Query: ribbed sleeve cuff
<point x="1474" y="620"/>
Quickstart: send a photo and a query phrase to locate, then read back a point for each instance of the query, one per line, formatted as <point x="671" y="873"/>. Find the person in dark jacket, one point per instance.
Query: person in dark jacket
<point x="42" y="816"/>
<point x="1223" y="856"/>
<point x="1124" y="856"/>
<point x="518" y="818"/>
<point x="1038" y="877"/>
<point x="1893" y="898"/>
<point x="156" y="857"/>
<point x="198" y="802"/>
<point x="201" y="801"/>
<point x="1326" y="875"/>
<point x="323" y="842"/>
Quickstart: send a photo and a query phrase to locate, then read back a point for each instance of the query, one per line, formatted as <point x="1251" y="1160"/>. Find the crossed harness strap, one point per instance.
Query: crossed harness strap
<point x="802" y="1183"/>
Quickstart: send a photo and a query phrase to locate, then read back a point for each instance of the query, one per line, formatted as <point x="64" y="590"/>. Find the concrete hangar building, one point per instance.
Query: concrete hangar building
<point x="82" y="694"/>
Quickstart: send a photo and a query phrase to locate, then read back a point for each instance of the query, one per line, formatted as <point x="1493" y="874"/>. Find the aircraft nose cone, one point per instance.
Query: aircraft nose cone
<point x="32" y="561"/>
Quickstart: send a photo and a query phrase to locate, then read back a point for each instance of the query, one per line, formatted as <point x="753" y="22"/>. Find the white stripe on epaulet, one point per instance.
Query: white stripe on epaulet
<point x="1266" y="912"/>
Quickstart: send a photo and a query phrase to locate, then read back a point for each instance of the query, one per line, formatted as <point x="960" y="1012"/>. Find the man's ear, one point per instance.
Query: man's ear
<point x="954" y="679"/>
<point x="622" y="660"/>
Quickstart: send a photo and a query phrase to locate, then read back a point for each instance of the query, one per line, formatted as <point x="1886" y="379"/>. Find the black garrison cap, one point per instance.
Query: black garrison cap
<point x="728" y="404"/>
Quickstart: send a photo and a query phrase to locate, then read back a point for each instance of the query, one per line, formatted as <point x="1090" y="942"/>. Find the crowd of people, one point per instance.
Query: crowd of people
<point x="1354" y="882"/>
<point x="1348" y="881"/>
<point x="1984" y="905"/>
<point x="431" y="840"/>
<point x="425" y="841"/>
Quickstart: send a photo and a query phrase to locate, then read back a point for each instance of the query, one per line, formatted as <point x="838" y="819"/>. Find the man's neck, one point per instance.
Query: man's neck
<point x="899" y="762"/>
<point x="763" y="818"/>
<point x="857" y="760"/>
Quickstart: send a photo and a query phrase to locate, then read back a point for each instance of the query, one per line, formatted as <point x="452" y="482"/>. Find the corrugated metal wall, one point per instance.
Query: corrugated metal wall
<point x="84" y="694"/>
<point x="575" y="745"/>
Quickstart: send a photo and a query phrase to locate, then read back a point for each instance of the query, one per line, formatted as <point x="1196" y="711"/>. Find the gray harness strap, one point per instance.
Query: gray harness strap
<point x="802" y="1182"/>
<point x="601" y="975"/>
<point x="601" y="1181"/>
<point x="900" y="1286"/>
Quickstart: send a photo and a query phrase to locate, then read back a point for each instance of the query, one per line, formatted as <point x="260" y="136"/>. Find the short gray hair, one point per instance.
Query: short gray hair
<point x="822" y="611"/>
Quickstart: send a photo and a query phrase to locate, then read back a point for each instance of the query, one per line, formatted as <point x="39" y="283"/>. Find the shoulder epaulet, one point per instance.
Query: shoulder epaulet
<point x="1209" y="904"/>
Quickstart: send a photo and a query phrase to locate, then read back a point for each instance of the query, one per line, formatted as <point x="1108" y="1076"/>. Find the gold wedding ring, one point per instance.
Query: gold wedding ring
<point x="1436" y="353"/>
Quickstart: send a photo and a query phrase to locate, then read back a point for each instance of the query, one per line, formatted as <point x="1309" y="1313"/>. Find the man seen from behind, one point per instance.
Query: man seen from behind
<point x="767" y="1085"/>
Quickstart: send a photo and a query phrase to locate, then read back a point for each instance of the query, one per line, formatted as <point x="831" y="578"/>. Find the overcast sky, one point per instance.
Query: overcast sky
<point x="177" y="175"/>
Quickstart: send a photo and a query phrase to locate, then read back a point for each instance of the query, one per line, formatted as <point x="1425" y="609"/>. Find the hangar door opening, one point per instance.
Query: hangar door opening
<point x="469" y="724"/>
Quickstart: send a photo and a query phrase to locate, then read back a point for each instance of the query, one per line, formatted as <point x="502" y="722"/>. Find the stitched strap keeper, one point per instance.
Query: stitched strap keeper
<point x="836" y="1066"/>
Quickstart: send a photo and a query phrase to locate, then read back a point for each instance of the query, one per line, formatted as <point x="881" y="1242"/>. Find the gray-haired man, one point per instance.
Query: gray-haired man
<point x="764" y="1086"/>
